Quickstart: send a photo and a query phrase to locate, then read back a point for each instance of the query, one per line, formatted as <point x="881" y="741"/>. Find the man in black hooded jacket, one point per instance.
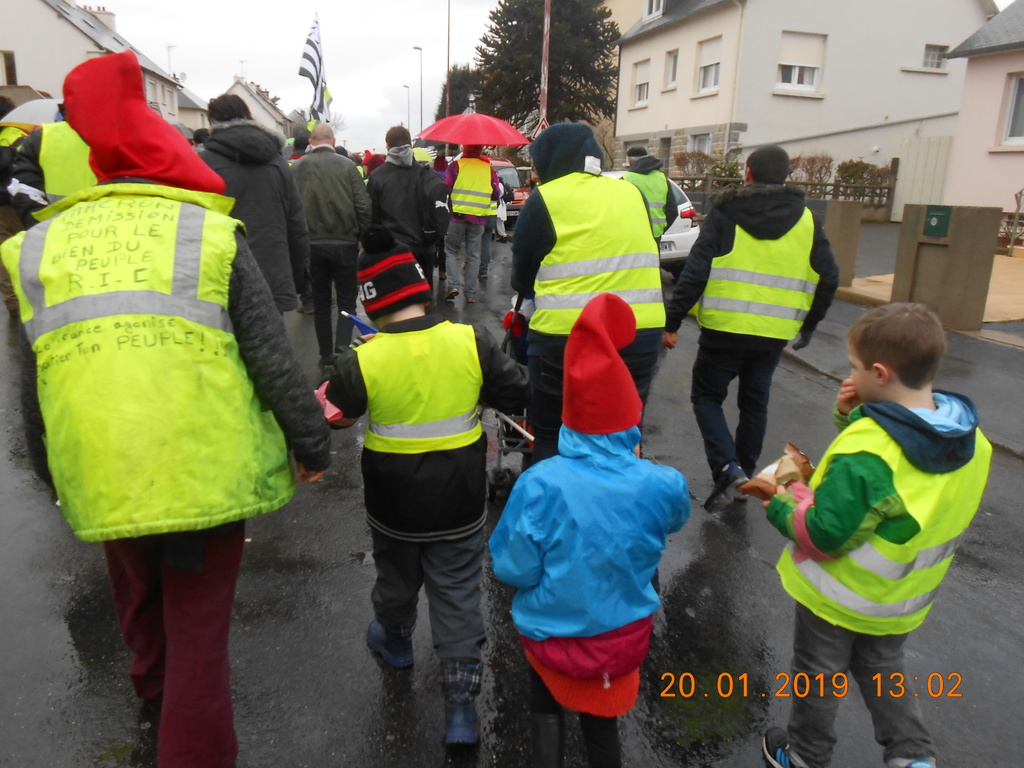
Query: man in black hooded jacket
<point x="763" y="273"/>
<point x="248" y="157"/>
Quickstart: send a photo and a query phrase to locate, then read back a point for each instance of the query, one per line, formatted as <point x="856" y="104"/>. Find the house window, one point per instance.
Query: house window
<point x="709" y="64"/>
<point x="702" y="143"/>
<point x="1015" y="114"/>
<point x="800" y="61"/>
<point x="641" y="82"/>
<point x="653" y="8"/>
<point x="933" y="56"/>
<point x="8" y="74"/>
<point x="671" y="68"/>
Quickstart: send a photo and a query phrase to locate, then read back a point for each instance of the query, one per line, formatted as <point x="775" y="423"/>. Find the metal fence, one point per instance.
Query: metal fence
<point x="876" y="196"/>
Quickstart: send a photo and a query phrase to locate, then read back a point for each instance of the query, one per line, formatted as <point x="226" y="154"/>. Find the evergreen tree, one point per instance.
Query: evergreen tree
<point x="464" y="80"/>
<point x="582" y="67"/>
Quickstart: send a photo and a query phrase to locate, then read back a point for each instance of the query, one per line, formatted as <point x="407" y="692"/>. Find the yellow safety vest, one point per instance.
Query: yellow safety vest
<point x="10" y="134"/>
<point x="883" y="588"/>
<point x="472" y="191"/>
<point x="152" y="423"/>
<point x="423" y="389"/>
<point x="654" y="185"/>
<point x="603" y="244"/>
<point x="762" y="287"/>
<point x="64" y="160"/>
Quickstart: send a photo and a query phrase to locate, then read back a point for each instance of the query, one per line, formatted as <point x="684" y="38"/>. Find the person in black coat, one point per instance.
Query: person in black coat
<point x="248" y="157"/>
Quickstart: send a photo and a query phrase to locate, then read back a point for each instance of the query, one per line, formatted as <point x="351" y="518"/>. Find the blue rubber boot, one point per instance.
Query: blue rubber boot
<point x="396" y="651"/>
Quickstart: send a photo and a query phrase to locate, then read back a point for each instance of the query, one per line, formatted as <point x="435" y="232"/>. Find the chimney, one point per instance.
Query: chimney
<point x="105" y="17"/>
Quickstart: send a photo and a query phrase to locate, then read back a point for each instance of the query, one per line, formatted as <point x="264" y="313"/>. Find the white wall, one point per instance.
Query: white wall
<point x="870" y="45"/>
<point x="984" y="170"/>
<point x="679" y="107"/>
<point x="45" y="46"/>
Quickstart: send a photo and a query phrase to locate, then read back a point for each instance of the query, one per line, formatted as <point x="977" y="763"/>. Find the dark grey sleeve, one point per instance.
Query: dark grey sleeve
<point x="272" y="364"/>
<point x="506" y="382"/>
<point x="347" y="389"/>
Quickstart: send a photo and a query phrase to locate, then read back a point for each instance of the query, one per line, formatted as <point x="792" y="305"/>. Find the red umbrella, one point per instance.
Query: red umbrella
<point x="474" y="128"/>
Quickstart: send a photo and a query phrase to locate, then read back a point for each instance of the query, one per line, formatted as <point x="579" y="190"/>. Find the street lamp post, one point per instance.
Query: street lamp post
<point x="408" y="105"/>
<point x="418" y="48"/>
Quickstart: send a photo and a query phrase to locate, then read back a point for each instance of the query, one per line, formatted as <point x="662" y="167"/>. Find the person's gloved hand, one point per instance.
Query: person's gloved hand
<point x="802" y="340"/>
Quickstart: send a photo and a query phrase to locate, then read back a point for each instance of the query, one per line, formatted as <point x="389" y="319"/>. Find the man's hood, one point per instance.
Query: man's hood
<point x="245" y="141"/>
<point x="400" y="155"/>
<point x="107" y="107"/>
<point x="766" y="211"/>
<point x="937" y="441"/>
<point x="563" y="149"/>
<point x="645" y="165"/>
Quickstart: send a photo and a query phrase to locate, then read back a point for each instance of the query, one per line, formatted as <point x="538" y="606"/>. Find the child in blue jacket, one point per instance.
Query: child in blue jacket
<point x="581" y="538"/>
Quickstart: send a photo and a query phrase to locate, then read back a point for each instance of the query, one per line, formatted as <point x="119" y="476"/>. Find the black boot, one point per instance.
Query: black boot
<point x="548" y="732"/>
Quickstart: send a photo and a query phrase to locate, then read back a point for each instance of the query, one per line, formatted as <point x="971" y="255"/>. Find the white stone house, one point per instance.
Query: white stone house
<point x="851" y="80"/>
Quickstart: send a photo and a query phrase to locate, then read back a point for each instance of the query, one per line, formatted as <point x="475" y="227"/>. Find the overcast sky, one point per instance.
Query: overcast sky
<point x="368" y="51"/>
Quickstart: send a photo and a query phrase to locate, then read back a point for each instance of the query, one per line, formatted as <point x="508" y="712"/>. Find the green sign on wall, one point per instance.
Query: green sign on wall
<point x="936" y="220"/>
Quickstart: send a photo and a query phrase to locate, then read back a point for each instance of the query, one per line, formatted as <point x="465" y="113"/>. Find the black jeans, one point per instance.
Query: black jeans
<point x="546" y="373"/>
<point x="600" y="734"/>
<point x="333" y="264"/>
<point x="713" y="371"/>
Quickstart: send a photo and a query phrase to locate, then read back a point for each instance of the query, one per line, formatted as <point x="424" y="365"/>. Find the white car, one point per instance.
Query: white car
<point x="680" y="237"/>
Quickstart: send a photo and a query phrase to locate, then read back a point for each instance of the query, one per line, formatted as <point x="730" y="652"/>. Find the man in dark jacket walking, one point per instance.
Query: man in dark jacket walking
<point x="248" y="157"/>
<point x="763" y="274"/>
<point x="337" y="211"/>
<point x="409" y="199"/>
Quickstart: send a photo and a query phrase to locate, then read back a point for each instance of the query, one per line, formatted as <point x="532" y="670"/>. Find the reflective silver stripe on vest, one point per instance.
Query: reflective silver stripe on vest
<point x="759" y="278"/>
<point x="185" y="283"/>
<point x="870" y="559"/>
<point x="456" y="425"/>
<point x="831" y="588"/>
<point x="579" y="300"/>
<point x="96" y="306"/>
<point x="188" y="249"/>
<point x="588" y="267"/>
<point x="752" y="308"/>
<point x="471" y="193"/>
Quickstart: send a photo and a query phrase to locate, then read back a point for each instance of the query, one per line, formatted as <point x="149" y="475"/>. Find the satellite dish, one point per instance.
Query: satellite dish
<point x="182" y="76"/>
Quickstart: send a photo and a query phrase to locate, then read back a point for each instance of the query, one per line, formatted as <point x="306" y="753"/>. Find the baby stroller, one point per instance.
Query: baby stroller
<point x="513" y="434"/>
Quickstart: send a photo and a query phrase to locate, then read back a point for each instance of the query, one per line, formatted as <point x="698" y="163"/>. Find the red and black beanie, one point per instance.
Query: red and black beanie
<point x="389" y="277"/>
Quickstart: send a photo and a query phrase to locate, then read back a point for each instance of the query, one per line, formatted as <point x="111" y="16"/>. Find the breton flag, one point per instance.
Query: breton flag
<point x="312" y="66"/>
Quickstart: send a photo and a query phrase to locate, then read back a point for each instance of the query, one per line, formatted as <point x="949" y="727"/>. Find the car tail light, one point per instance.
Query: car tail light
<point x="689" y="213"/>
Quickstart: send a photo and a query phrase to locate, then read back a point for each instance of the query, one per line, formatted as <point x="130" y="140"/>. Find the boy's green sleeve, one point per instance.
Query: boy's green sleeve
<point x="854" y="499"/>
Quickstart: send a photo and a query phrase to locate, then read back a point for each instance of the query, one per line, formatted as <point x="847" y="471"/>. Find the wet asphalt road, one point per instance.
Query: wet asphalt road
<point x="308" y="693"/>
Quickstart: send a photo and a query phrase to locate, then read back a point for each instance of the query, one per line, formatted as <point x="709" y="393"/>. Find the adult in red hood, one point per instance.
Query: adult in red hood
<point x="177" y="426"/>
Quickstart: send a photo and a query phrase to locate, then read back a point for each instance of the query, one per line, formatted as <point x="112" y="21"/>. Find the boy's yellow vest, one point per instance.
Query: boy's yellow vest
<point x="882" y="588"/>
<point x="152" y="424"/>
<point x="423" y="389"/>
<point x="618" y="255"/>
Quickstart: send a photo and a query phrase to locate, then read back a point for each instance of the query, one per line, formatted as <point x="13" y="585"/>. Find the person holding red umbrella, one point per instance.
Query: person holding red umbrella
<point x="473" y="184"/>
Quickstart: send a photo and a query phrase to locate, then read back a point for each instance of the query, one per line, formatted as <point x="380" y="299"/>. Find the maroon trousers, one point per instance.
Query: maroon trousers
<point x="176" y="623"/>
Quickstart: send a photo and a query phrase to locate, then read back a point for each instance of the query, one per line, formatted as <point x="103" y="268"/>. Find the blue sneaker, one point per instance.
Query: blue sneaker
<point x="396" y="651"/>
<point x="775" y="750"/>
<point x="460" y="723"/>
<point x="923" y="763"/>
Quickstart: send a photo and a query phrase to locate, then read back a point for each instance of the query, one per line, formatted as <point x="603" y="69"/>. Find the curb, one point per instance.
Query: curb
<point x="788" y="353"/>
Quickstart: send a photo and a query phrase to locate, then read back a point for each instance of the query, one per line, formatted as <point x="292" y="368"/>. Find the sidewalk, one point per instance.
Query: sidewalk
<point x="988" y="372"/>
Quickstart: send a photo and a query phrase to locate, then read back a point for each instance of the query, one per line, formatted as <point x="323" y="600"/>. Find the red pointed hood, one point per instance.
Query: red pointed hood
<point x="106" y="105"/>
<point x="598" y="393"/>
